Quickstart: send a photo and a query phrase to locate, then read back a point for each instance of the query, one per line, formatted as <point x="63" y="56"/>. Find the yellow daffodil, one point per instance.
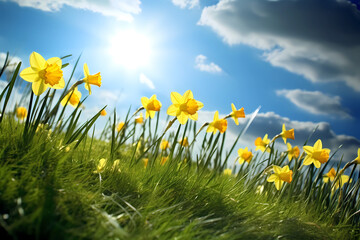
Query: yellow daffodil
<point x="285" y="134"/>
<point x="262" y="143"/>
<point x="120" y="126"/>
<point x="91" y="79"/>
<point x="151" y="105"/>
<point x="217" y="124"/>
<point x="339" y="182"/>
<point x="280" y="176"/>
<point x="101" y="166"/>
<point x="184" y="107"/>
<point x="358" y="157"/>
<point x="228" y="172"/>
<point x="244" y="155"/>
<point x="72" y="98"/>
<point x="103" y="112"/>
<point x="21" y="113"/>
<point x="139" y="119"/>
<point x="145" y="161"/>
<point x="43" y="73"/>
<point x="316" y="154"/>
<point x="293" y="152"/>
<point x="163" y="160"/>
<point x="115" y="166"/>
<point x="235" y="114"/>
<point x="164" y="145"/>
<point x="184" y="142"/>
<point x="330" y="175"/>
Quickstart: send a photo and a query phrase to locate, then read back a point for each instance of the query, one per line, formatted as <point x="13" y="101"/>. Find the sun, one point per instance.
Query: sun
<point x="130" y="49"/>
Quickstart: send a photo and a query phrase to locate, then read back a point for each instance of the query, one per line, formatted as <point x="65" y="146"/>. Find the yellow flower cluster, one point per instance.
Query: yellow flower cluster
<point x="44" y="74"/>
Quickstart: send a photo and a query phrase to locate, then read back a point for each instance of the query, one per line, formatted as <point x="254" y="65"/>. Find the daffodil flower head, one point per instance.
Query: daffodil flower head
<point x="145" y="161"/>
<point x="262" y="143"/>
<point x="72" y="98"/>
<point x="115" y="166"/>
<point x="331" y="175"/>
<point x="184" y="107"/>
<point x="358" y="157"/>
<point x="163" y="160"/>
<point x="228" y="171"/>
<point x="316" y="154"/>
<point x="285" y="134"/>
<point x="21" y="113"/>
<point x="184" y="142"/>
<point x="217" y="124"/>
<point x="244" y="155"/>
<point x="235" y="114"/>
<point x="91" y="79"/>
<point x="120" y="126"/>
<point x="101" y="166"/>
<point x="43" y="73"/>
<point x="280" y="176"/>
<point x="139" y="119"/>
<point x="164" y="145"/>
<point x="151" y="106"/>
<point x="103" y="112"/>
<point x="293" y="152"/>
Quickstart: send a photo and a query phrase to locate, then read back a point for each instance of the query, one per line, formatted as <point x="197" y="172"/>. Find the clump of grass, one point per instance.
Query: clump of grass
<point x="54" y="185"/>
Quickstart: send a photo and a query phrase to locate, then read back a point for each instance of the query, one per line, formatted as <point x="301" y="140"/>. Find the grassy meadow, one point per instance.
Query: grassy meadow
<point x="138" y="180"/>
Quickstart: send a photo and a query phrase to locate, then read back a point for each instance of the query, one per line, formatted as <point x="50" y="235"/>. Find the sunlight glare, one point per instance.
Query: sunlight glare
<point x="130" y="49"/>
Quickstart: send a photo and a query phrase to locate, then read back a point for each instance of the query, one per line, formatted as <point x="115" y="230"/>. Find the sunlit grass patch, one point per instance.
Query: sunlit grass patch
<point x="139" y="180"/>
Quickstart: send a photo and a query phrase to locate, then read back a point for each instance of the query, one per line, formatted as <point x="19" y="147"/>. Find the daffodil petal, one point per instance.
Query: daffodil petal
<point x="308" y="160"/>
<point x="182" y="118"/>
<point x="272" y="178"/>
<point x="152" y="114"/>
<point x="29" y="75"/>
<point x="172" y="110"/>
<point x="200" y="105"/>
<point x="39" y="87"/>
<point x="318" y="145"/>
<point x="176" y="98"/>
<point x="144" y="101"/>
<point x="277" y="169"/>
<point x="308" y="149"/>
<point x="194" y="116"/>
<point x="188" y="95"/>
<point x="86" y="70"/>
<point x="55" y="60"/>
<point x="233" y="108"/>
<point x="317" y="164"/>
<point x="88" y="87"/>
<point x="278" y="184"/>
<point x="216" y="116"/>
<point x="37" y="61"/>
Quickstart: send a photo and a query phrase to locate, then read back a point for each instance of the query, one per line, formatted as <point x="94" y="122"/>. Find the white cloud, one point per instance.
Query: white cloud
<point x="200" y="63"/>
<point x="186" y="3"/>
<point x="315" y="102"/>
<point x="12" y="63"/>
<point x="317" y="39"/>
<point x="145" y="80"/>
<point x="121" y="9"/>
<point x="271" y="123"/>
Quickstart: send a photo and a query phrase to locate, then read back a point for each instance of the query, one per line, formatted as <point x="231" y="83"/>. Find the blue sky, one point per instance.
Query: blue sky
<point x="297" y="59"/>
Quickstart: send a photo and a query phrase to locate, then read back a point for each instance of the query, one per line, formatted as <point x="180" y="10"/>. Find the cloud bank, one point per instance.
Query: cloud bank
<point x="315" y="102"/>
<point x="122" y="10"/>
<point x="318" y="39"/>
